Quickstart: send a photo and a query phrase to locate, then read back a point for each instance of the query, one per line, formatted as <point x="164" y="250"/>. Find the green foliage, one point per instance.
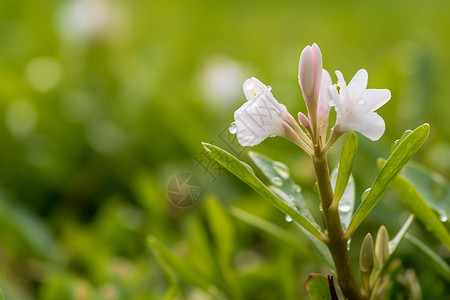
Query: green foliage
<point x="345" y="165"/>
<point x="243" y="172"/>
<point x="398" y="159"/>
<point x="317" y="286"/>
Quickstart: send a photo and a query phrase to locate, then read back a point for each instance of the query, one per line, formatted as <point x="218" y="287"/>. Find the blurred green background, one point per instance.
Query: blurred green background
<point x="102" y="102"/>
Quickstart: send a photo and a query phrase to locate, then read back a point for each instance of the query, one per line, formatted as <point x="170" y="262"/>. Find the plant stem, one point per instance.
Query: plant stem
<point x="337" y="241"/>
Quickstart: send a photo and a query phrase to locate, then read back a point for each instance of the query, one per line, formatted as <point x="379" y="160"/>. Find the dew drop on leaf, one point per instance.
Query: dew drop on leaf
<point x="364" y="194"/>
<point x="277" y="181"/>
<point x="281" y="169"/>
<point x="288" y="218"/>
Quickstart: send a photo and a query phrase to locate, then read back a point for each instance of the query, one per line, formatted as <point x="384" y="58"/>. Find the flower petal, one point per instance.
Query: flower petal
<point x="253" y="88"/>
<point x="372" y="99"/>
<point x="256" y="120"/>
<point x="344" y="92"/>
<point x="371" y="125"/>
<point x="325" y="96"/>
<point x="358" y="84"/>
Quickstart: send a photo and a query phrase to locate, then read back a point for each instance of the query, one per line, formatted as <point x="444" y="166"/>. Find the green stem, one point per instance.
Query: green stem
<point x="337" y="241"/>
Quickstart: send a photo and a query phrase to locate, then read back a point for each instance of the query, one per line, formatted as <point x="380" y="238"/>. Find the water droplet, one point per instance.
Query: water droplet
<point x="281" y="169"/>
<point x="405" y="134"/>
<point x="361" y="101"/>
<point x="332" y="103"/>
<point x="277" y="181"/>
<point x="443" y="216"/>
<point x="288" y="218"/>
<point x="298" y="189"/>
<point x="269" y="88"/>
<point x="343" y="207"/>
<point x="248" y="86"/>
<point x="232" y="128"/>
<point x="394" y="145"/>
<point x="249" y="167"/>
<point x="364" y="194"/>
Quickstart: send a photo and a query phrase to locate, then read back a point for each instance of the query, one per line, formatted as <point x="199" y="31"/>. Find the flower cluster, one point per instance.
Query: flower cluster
<point x="262" y="116"/>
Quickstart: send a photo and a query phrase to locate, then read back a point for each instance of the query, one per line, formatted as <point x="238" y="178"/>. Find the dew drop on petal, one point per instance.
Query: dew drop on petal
<point x="332" y="103"/>
<point x="277" y="181"/>
<point x="364" y="194"/>
<point x="281" y="169"/>
<point x="249" y="86"/>
<point x="288" y="219"/>
<point x="232" y="128"/>
<point x="361" y="101"/>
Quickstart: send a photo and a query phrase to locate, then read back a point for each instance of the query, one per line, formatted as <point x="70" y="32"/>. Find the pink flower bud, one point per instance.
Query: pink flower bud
<point x="310" y="75"/>
<point x="304" y="120"/>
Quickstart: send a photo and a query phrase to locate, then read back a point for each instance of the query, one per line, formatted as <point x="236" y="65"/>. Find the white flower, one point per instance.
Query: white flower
<point x="355" y="105"/>
<point x="261" y="117"/>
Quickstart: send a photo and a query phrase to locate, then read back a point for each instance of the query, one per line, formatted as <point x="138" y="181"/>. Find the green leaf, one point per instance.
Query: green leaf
<point x="393" y="246"/>
<point x="244" y="173"/>
<point x="345" y="165"/>
<point x="437" y="261"/>
<point x="434" y="188"/>
<point x="288" y="191"/>
<point x="2" y="297"/>
<point x="415" y="202"/>
<point x="282" y="184"/>
<point x="176" y="263"/>
<point x="317" y="287"/>
<point x="347" y="200"/>
<point x="223" y="233"/>
<point x="398" y="159"/>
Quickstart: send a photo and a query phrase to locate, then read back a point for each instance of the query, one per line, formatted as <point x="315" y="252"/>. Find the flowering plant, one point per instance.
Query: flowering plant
<point x="262" y="116"/>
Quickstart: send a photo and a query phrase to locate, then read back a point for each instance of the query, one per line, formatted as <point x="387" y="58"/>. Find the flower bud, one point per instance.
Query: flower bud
<point x="382" y="245"/>
<point x="310" y="75"/>
<point x="304" y="120"/>
<point x="366" y="256"/>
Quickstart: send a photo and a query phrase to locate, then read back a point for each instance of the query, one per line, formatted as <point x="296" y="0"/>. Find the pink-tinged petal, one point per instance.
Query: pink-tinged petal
<point x="325" y="96"/>
<point x="358" y="84"/>
<point x="304" y="120"/>
<point x="372" y="99"/>
<point x="317" y="55"/>
<point x="256" y="120"/>
<point x="371" y="125"/>
<point x="310" y="74"/>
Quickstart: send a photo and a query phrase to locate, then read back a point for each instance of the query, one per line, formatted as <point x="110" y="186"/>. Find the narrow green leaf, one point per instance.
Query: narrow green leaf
<point x="415" y="202"/>
<point x="2" y="297"/>
<point x="224" y="236"/>
<point x="317" y="287"/>
<point x="347" y="201"/>
<point x="270" y="228"/>
<point x="244" y="173"/>
<point x="398" y="159"/>
<point x="393" y="246"/>
<point x="346" y="164"/>
<point x="179" y="265"/>
<point x="282" y="184"/>
<point x="434" y="188"/>
<point x="437" y="261"/>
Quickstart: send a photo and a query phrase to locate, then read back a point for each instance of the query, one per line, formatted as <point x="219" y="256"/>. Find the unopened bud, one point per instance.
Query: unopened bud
<point x="310" y="75"/>
<point x="366" y="256"/>
<point x="304" y="120"/>
<point x="382" y="245"/>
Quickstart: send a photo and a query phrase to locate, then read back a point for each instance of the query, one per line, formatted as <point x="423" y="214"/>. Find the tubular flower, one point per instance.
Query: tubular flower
<point x="261" y="116"/>
<point x="355" y="105"/>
